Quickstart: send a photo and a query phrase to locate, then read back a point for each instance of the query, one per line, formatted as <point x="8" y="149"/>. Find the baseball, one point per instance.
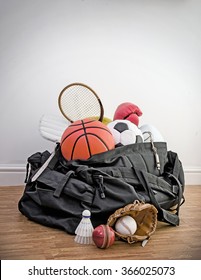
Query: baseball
<point x="126" y="225"/>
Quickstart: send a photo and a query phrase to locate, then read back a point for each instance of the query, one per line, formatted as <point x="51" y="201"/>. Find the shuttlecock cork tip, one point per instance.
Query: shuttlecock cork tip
<point x="86" y="214"/>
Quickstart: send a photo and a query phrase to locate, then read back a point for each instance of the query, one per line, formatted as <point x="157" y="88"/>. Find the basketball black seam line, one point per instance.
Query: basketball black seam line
<point x="101" y="140"/>
<point x="103" y="128"/>
<point x="80" y="136"/>
<point x="71" y="134"/>
<point x="86" y="128"/>
<point x="88" y="145"/>
<point x="87" y="141"/>
<point x="75" y="124"/>
<point x="90" y="133"/>
<point x="94" y="126"/>
<point x="74" y="145"/>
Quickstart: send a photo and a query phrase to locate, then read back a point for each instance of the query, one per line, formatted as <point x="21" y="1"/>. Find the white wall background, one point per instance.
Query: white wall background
<point x="144" y="51"/>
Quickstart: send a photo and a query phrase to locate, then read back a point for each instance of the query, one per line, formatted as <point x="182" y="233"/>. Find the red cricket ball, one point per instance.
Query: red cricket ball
<point x="103" y="236"/>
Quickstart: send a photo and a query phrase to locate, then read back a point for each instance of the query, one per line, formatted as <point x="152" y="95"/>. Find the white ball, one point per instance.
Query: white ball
<point x="125" y="132"/>
<point x="149" y="131"/>
<point x="126" y="225"/>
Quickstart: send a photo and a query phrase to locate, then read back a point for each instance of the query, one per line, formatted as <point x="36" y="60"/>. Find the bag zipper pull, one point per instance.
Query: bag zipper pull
<point x="156" y="158"/>
<point x="99" y="180"/>
<point x="154" y="149"/>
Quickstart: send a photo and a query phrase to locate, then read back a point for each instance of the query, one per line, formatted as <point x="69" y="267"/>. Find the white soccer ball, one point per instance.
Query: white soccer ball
<point x="151" y="132"/>
<point x="125" y="132"/>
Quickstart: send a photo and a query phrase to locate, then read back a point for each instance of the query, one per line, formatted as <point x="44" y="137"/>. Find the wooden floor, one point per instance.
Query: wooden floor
<point x="24" y="239"/>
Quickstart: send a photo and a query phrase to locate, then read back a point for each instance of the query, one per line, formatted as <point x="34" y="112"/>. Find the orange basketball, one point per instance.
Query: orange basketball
<point x="85" y="138"/>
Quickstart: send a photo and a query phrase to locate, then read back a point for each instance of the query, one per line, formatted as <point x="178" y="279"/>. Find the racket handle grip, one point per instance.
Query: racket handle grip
<point x="43" y="167"/>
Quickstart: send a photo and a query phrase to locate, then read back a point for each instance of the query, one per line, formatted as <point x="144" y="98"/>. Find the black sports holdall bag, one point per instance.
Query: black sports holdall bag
<point x="102" y="184"/>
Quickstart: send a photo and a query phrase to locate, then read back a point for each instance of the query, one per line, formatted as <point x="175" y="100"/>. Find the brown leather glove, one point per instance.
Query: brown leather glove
<point x="144" y="214"/>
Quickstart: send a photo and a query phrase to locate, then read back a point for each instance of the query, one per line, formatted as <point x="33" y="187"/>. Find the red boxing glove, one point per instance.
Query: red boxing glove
<point x="128" y="111"/>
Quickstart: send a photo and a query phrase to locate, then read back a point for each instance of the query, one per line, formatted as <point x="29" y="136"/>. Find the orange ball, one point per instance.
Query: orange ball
<point x="103" y="236"/>
<point x="85" y="138"/>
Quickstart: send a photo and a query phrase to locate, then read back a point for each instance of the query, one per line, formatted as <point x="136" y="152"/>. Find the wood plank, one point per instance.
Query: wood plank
<point x="24" y="239"/>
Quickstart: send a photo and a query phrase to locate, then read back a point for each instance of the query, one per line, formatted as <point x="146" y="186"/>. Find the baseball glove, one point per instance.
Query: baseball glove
<point x="144" y="214"/>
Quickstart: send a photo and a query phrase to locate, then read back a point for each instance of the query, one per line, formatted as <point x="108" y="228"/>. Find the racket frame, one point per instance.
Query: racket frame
<point x="89" y="88"/>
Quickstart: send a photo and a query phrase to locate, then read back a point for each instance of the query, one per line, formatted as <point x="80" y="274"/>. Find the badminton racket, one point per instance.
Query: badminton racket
<point x="43" y="167"/>
<point x="78" y="101"/>
<point x="52" y="127"/>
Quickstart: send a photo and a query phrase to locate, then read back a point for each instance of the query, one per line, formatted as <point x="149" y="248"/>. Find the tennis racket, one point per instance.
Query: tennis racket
<point x="78" y="101"/>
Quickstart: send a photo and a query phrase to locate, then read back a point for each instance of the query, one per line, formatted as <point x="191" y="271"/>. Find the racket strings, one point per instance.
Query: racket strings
<point x="79" y="102"/>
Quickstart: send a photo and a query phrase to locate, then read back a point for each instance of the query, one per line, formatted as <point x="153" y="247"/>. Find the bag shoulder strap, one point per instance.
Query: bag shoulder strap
<point x="174" y="166"/>
<point x="163" y="214"/>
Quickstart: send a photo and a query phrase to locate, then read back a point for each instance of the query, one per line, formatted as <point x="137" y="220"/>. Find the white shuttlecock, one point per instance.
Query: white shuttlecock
<point x="84" y="229"/>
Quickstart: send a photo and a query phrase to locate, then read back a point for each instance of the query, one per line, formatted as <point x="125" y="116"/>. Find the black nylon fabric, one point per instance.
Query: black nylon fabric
<point x="102" y="184"/>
